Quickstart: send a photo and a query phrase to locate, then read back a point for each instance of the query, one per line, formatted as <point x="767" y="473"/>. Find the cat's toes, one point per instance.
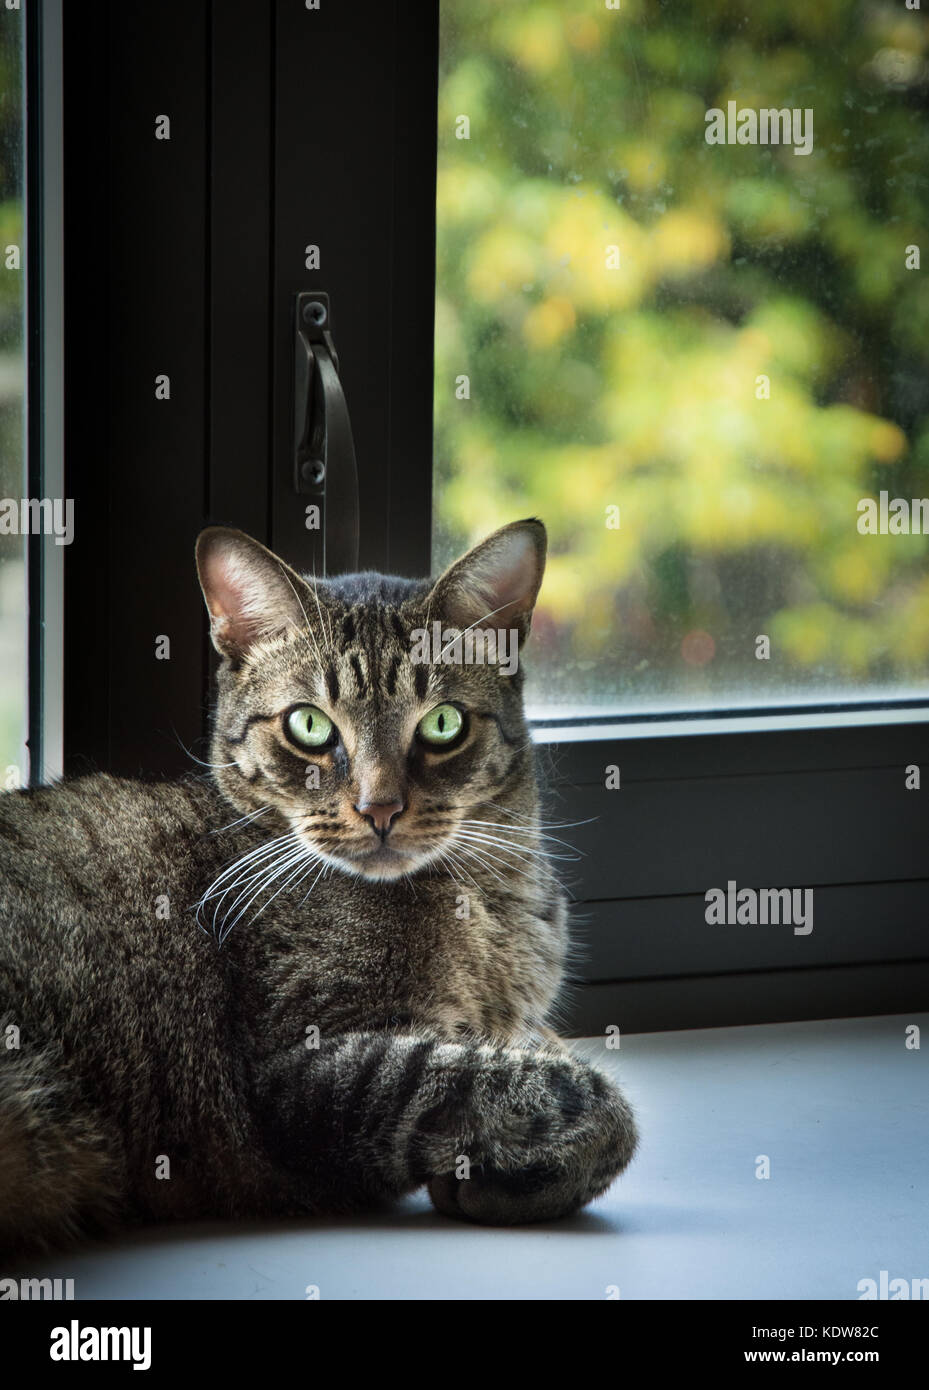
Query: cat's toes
<point x="494" y="1198"/>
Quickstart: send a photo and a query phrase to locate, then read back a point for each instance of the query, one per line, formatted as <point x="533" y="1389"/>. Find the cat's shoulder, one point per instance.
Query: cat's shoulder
<point x="100" y="796"/>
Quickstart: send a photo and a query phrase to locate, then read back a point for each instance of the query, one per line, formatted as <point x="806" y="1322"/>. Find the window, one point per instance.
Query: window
<point x="558" y="386"/>
<point x="697" y="362"/>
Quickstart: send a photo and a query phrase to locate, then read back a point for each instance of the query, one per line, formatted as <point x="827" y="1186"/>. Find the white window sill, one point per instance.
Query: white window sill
<point x="838" y="1107"/>
<point x="730" y="723"/>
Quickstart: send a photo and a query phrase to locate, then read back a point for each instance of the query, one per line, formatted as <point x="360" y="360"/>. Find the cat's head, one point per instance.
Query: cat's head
<point x="380" y="718"/>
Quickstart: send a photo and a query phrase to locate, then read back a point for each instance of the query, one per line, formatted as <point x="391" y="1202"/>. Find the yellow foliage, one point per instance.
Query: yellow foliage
<point x="548" y="322"/>
<point x="565" y="587"/>
<point x="534" y="38"/>
<point x="466" y="194"/>
<point x="576" y="242"/>
<point x="600" y="383"/>
<point x="644" y="165"/>
<point x="854" y="576"/>
<point x="805" y="632"/>
<point x="501" y="263"/>
<point x="886" y="441"/>
<point x="685" y="239"/>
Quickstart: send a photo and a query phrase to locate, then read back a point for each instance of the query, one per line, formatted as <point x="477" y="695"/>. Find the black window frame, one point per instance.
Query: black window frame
<point x="289" y="125"/>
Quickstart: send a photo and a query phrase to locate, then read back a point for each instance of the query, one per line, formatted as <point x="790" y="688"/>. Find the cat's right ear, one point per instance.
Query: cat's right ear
<point x="250" y="594"/>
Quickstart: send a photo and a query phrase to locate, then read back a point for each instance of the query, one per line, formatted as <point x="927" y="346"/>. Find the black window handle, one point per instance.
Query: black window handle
<point x="324" y="451"/>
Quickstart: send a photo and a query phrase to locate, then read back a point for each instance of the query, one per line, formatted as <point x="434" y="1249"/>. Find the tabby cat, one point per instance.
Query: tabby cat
<point x="316" y="977"/>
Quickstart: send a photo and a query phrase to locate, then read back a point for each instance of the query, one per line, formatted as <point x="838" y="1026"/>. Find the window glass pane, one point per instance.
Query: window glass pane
<point x="13" y="588"/>
<point x="678" y="276"/>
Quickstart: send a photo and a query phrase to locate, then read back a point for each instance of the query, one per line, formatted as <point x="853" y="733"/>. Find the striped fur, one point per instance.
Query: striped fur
<point x="354" y="1017"/>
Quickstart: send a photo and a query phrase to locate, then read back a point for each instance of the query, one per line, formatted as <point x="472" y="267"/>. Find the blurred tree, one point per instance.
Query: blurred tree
<point x="723" y="341"/>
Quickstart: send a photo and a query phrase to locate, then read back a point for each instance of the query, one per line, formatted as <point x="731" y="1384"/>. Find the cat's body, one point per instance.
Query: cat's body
<point x="380" y="940"/>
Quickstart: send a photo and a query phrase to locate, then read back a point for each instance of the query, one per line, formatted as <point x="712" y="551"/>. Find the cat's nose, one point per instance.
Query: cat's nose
<point x="381" y="815"/>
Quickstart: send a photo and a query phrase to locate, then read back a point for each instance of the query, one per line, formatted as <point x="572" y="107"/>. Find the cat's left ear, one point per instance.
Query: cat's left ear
<point x="249" y="593"/>
<point x="495" y="585"/>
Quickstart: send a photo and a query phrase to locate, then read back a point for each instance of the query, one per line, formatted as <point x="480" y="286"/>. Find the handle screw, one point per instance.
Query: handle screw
<point x="313" y="471"/>
<point x="314" y="312"/>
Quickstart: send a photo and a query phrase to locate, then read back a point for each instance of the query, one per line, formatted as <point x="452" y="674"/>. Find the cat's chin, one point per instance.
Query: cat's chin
<point x="380" y="865"/>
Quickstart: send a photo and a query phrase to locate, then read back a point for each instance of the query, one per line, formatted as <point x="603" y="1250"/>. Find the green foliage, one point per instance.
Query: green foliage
<point x="639" y="386"/>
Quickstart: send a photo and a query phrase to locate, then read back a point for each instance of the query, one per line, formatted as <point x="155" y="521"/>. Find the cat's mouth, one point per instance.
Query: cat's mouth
<point x="383" y="862"/>
<point x="379" y="861"/>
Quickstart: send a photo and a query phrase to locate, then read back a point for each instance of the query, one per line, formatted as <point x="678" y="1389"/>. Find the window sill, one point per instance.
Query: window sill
<point x="832" y="1104"/>
<point x="588" y="725"/>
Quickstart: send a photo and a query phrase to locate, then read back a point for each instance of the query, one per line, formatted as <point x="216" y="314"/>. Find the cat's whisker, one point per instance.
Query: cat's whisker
<point x="484" y="865"/>
<point x="295" y="873"/>
<point x="488" y="857"/>
<point x="251" y="816"/>
<point x="546" y="825"/>
<point x="480" y="837"/>
<point x="240" y="861"/>
<point x="270" y="865"/>
<point x="258" y="850"/>
<point x="310" y="858"/>
<point x="480" y="847"/>
<point x="322" y="872"/>
<point x="532" y="829"/>
<point x="319" y="608"/>
<point x="534" y="826"/>
<point x="265" y="872"/>
<point x="446" y="864"/>
<point x="478" y="855"/>
<point x="306" y="616"/>
<point x="456" y="859"/>
<point x="540" y="849"/>
<point x="193" y="757"/>
<point x="521" y="850"/>
<point x="271" y="877"/>
<point x="244" y="864"/>
<point x="292" y="857"/>
<point x="469" y="627"/>
<point x="449" y="855"/>
<point x="485" y="827"/>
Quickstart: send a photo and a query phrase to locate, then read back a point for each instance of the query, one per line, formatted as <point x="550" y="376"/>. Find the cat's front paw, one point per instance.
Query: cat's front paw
<point x="493" y="1197"/>
<point x="557" y="1144"/>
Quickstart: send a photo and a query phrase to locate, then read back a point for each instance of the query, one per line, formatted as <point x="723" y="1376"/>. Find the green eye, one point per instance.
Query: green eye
<point x="309" y="727"/>
<point x="441" y="725"/>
